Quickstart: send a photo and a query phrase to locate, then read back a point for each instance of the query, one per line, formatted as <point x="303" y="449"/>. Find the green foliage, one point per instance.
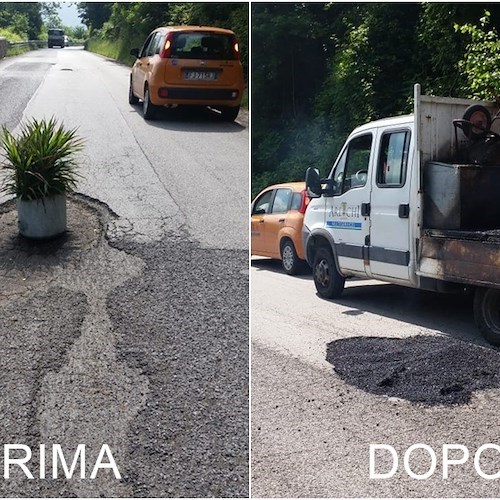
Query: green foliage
<point x="116" y="28"/>
<point x="114" y="49"/>
<point x="41" y="161"/>
<point x="50" y="15"/>
<point x="321" y="69"/>
<point x="24" y="18"/>
<point x="480" y="66"/>
<point x="94" y="14"/>
<point x="76" y="33"/>
<point x="15" y="23"/>
<point x="11" y="35"/>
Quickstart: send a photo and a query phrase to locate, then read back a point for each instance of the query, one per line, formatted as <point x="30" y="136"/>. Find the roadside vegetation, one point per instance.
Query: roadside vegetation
<point x="115" y="28"/>
<point x="321" y="69"/>
<point x="23" y="21"/>
<point x="12" y="36"/>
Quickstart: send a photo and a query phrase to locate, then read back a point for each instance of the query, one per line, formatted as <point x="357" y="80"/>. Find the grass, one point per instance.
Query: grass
<point x="13" y="37"/>
<point x="17" y="51"/>
<point x="10" y="35"/>
<point x="114" y="49"/>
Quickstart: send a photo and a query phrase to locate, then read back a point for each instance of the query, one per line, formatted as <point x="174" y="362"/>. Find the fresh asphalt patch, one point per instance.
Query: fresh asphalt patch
<point x="184" y="324"/>
<point x="432" y="370"/>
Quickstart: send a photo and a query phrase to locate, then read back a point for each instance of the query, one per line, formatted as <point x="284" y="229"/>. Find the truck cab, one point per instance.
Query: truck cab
<point x="364" y="213"/>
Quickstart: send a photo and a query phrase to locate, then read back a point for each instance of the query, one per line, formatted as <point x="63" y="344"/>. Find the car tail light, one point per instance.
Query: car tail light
<point x="167" y="47"/>
<point x="305" y="202"/>
<point x="236" y="48"/>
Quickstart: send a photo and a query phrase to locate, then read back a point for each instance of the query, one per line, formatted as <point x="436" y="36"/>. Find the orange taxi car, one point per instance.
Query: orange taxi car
<point x="188" y="65"/>
<point x="277" y="219"/>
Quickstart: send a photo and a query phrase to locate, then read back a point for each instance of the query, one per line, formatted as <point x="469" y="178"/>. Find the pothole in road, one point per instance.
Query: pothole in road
<point x="78" y="268"/>
<point x="25" y="263"/>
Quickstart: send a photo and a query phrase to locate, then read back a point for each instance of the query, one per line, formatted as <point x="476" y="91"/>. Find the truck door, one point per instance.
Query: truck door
<point x="389" y="246"/>
<point x="347" y="216"/>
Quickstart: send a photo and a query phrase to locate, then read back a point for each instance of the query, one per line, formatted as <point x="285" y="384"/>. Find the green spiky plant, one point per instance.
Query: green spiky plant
<point x="40" y="161"/>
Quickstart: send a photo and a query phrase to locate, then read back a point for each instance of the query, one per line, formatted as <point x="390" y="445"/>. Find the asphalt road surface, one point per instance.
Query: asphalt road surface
<point x="131" y="331"/>
<point x="381" y="365"/>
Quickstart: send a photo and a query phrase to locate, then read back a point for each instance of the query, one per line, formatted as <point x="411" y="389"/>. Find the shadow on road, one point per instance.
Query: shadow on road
<point x="190" y="119"/>
<point x="274" y="266"/>
<point x="450" y="314"/>
<point x="421" y="369"/>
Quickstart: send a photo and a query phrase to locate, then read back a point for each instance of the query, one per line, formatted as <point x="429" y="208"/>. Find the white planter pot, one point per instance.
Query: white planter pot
<point x="42" y="218"/>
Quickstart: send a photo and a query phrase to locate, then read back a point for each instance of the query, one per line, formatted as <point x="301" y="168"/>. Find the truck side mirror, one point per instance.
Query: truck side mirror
<point x="313" y="182"/>
<point x="135" y="53"/>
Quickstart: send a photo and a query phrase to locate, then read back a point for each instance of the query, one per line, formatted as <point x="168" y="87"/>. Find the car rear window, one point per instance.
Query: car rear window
<point x="56" y="32"/>
<point x="197" y="45"/>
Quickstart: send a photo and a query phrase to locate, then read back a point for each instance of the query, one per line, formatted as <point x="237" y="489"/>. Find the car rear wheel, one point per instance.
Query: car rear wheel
<point x="289" y="259"/>
<point x="148" y="108"/>
<point x="132" y="99"/>
<point x="328" y="281"/>
<point x="229" y="113"/>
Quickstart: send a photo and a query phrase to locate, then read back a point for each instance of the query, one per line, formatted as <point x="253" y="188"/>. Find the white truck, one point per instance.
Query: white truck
<point x="414" y="200"/>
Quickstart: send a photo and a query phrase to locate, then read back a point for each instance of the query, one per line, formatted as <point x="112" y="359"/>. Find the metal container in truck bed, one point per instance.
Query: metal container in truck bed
<point x="464" y="197"/>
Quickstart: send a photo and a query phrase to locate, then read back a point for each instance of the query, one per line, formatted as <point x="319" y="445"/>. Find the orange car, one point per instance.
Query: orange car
<point x="188" y="65"/>
<point x="277" y="218"/>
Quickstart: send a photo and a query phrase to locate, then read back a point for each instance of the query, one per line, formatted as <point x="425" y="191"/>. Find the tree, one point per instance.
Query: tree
<point x="23" y="18"/>
<point x="94" y="14"/>
<point x="321" y="69"/>
<point x="479" y="67"/>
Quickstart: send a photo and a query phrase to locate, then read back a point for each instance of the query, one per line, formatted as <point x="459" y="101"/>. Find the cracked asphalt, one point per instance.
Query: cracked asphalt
<point x="131" y="329"/>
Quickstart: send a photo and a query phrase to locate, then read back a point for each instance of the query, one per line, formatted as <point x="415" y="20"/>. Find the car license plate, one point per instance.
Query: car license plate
<point x="200" y="75"/>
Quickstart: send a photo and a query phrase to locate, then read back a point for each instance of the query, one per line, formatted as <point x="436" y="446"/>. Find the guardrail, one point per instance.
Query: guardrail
<point x="5" y="45"/>
<point x="29" y="43"/>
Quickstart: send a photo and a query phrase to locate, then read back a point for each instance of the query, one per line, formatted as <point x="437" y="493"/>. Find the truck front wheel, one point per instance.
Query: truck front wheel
<point x="328" y="281"/>
<point x="487" y="313"/>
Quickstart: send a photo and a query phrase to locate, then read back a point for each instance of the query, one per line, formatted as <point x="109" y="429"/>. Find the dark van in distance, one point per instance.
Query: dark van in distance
<point x="56" y="38"/>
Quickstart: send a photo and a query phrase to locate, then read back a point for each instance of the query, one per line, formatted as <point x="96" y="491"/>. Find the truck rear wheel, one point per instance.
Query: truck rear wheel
<point x="487" y="313"/>
<point x="328" y="281"/>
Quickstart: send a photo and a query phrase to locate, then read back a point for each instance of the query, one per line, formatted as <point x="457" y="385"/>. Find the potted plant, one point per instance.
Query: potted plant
<point x="40" y="169"/>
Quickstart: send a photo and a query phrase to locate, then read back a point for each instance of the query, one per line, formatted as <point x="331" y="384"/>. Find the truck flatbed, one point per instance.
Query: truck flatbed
<point x="489" y="236"/>
<point x="461" y="256"/>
